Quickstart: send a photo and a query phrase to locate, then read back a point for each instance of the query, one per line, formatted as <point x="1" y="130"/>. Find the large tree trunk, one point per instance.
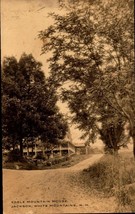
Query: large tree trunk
<point x="115" y="150"/>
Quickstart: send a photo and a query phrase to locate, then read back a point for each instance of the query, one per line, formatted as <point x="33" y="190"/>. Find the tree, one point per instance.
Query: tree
<point x="29" y="108"/>
<point x="92" y="51"/>
<point x="96" y="120"/>
<point x="118" y="34"/>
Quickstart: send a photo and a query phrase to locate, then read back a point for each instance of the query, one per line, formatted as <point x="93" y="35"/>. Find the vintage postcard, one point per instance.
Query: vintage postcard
<point x="68" y="106"/>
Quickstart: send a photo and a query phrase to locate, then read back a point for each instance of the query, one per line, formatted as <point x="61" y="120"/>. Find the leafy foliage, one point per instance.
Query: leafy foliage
<point x="92" y="50"/>
<point x="29" y="108"/>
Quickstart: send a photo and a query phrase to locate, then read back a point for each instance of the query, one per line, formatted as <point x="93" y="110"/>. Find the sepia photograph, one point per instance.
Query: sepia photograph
<point x="68" y="106"/>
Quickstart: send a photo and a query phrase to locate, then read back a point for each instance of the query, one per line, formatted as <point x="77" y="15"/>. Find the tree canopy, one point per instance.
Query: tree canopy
<point x="92" y="49"/>
<point x="29" y="109"/>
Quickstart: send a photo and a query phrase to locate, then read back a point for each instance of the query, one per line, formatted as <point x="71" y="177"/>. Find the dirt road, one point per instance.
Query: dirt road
<point x="50" y="191"/>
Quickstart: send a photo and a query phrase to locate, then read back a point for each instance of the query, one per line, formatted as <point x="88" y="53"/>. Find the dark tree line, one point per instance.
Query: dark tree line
<point x="29" y="110"/>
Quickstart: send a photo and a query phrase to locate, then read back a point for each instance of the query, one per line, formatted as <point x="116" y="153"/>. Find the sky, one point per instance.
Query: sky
<point x="21" y="20"/>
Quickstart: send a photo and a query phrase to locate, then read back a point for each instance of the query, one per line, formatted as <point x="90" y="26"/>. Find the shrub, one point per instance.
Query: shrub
<point x="103" y="174"/>
<point x="111" y="172"/>
<point x="113" y="175"/>
<point x="40" y="157"/>
<point x="14" y="156"/>
<point x="68" y="158"/>
<point x="48" y="163"/>
<point x="28" y="166"/>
